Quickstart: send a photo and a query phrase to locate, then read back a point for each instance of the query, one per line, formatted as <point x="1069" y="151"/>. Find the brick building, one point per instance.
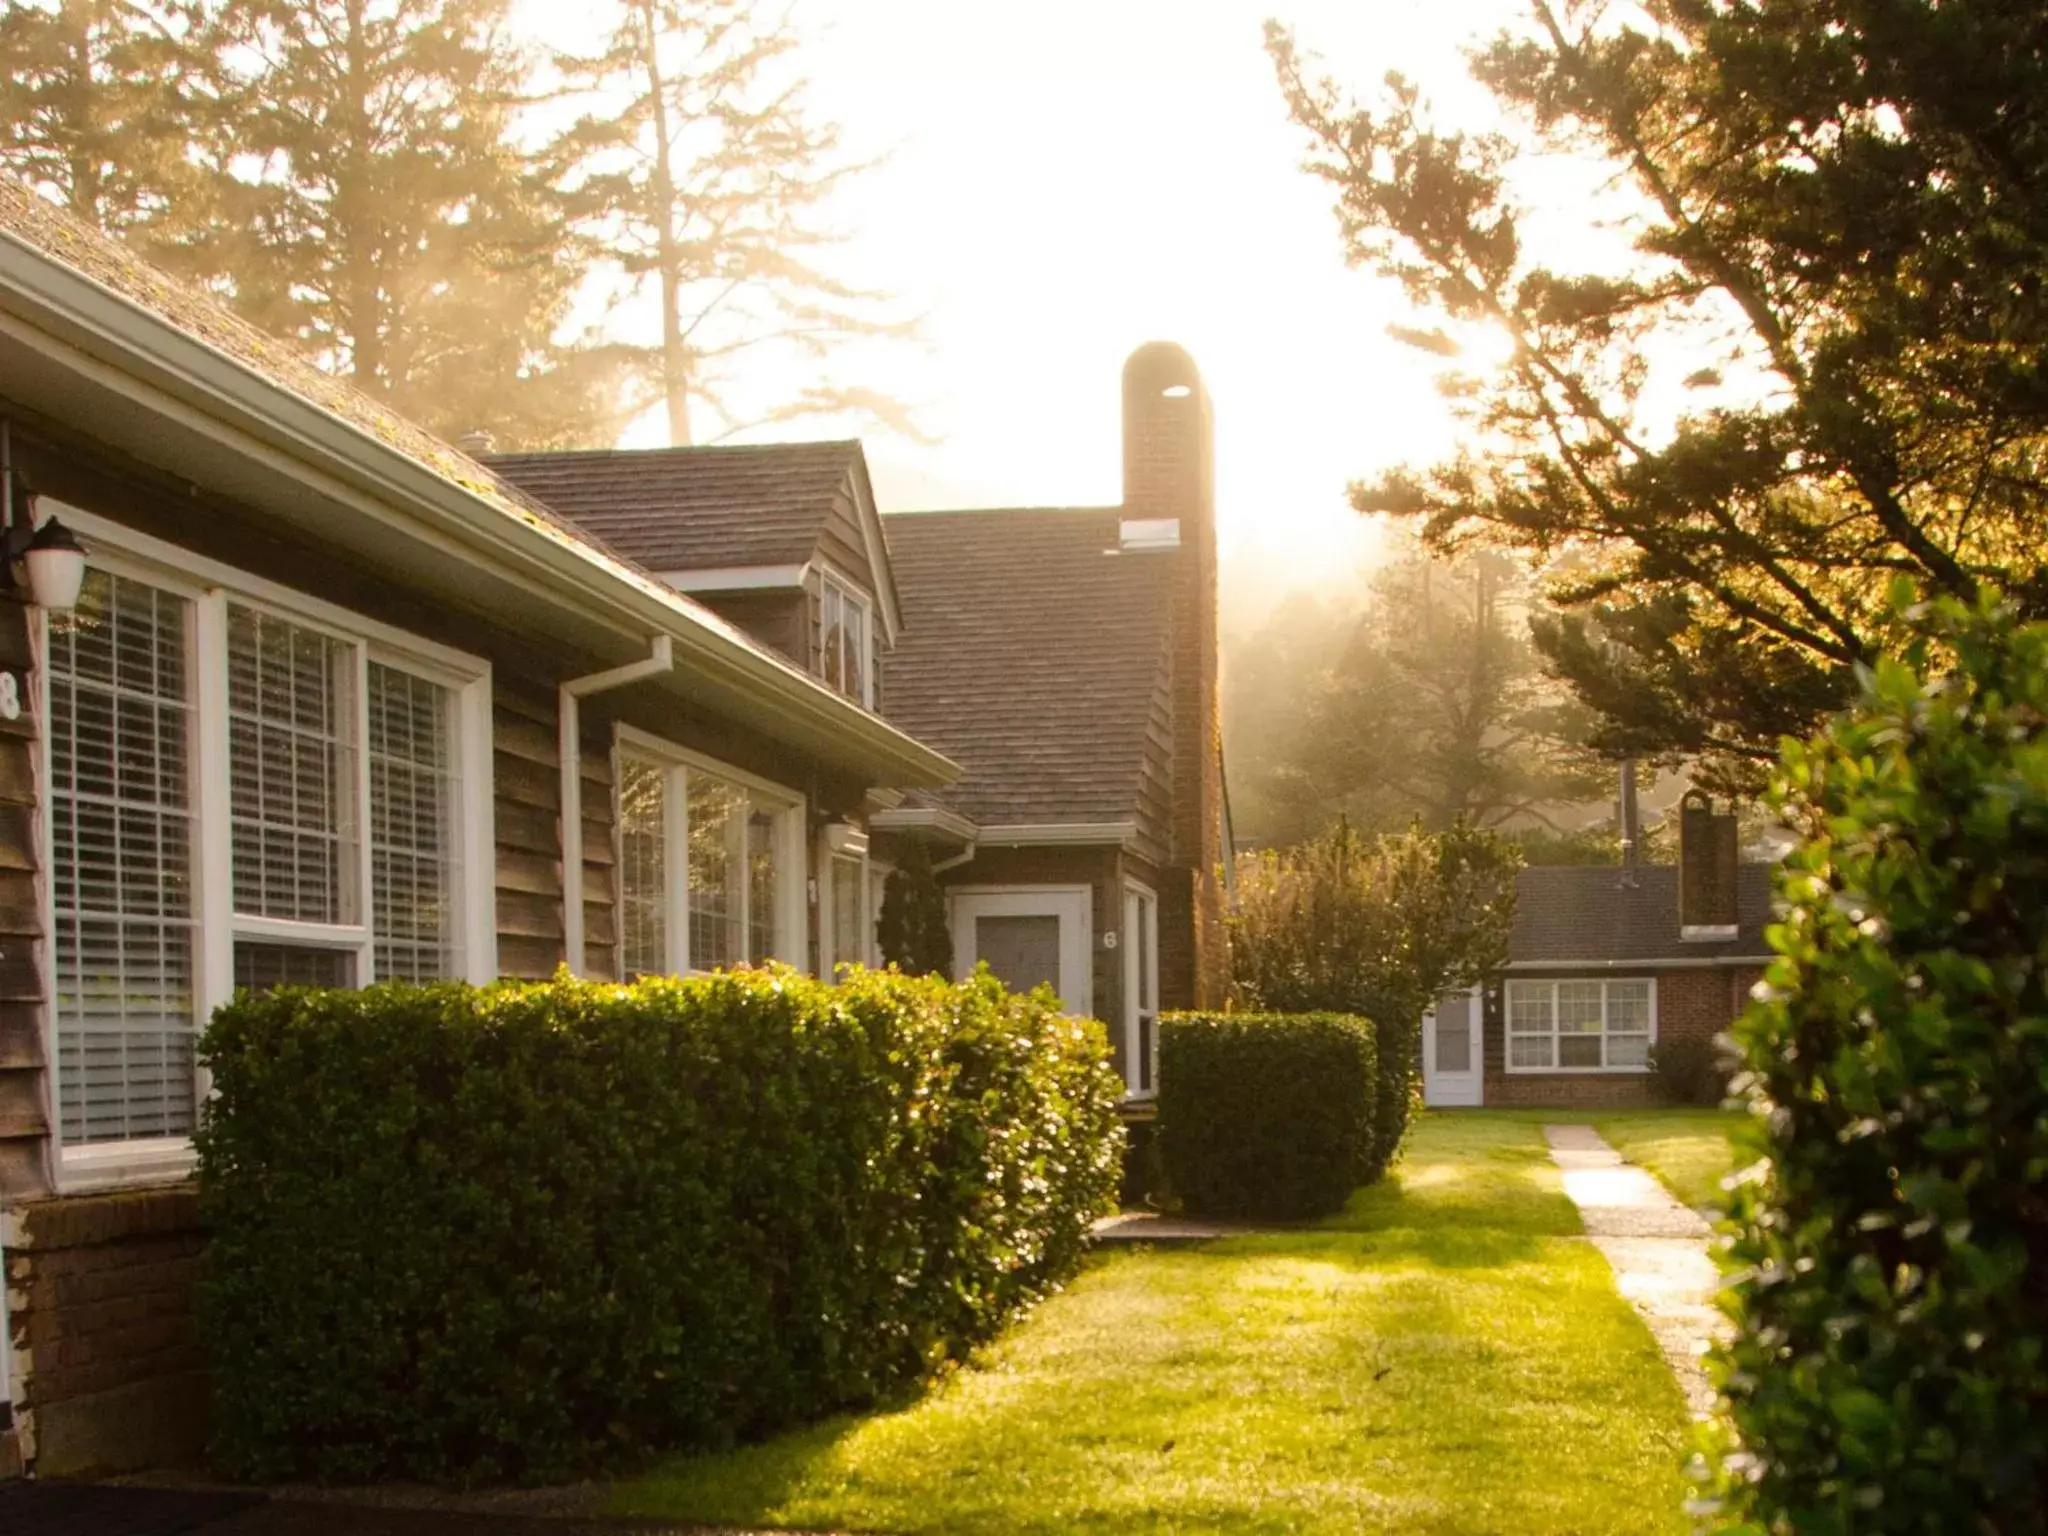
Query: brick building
<point x="1606" y="967"/>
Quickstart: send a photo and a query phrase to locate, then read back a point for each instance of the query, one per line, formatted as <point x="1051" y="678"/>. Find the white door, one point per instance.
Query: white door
<point x="1452" y="1053"/>
<point x="1029" y="935"/>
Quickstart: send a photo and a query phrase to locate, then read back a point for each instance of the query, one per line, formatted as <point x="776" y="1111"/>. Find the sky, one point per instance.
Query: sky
<point x="1068" y="179"/>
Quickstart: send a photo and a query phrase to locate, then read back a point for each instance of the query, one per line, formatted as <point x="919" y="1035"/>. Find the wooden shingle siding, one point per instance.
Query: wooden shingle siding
<point x="24" y="1112"/>
<point x="1155" y="770"/>
<point x="600" y="876"/>
<point x="527" y="804"/>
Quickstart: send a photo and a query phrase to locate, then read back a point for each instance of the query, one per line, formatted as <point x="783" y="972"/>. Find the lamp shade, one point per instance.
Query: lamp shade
<point x="56" y="567"/>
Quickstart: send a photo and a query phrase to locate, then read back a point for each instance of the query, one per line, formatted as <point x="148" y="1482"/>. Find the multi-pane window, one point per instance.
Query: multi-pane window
<point x="702" y="865"/>
<point x="1579" y="1026"/>
<point x="843" y="639"/>
<point x="334" y="777"/>
<point x="850" y="921"/>
<point x="1141" y="991"/>
<point x="120" y="741"/>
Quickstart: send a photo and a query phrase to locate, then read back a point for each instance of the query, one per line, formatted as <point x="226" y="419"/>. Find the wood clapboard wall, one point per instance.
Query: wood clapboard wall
<point x="526" y="765"/>
<point x="527" y="802"/>
<point x="23" y="1093"/>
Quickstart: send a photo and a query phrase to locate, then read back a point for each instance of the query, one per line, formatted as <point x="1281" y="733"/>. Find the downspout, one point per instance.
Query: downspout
<point x="569" y="722"/>
<point x="955" y="862"/>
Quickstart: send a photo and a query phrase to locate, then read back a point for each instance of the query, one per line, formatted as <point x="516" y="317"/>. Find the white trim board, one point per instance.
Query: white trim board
<point x="1051" y="834"/>
<point x="738" y="578"/>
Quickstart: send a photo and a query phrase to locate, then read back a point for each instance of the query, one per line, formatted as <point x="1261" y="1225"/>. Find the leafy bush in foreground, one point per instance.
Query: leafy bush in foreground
<point x="1889" y="1372"/>
<point x="1266" y="1115"/>
<point x="531" y="1230"/>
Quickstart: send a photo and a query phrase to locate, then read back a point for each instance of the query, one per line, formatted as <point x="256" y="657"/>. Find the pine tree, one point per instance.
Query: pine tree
<point x="1816" y="364"/>
<point x="104" y="106"/>
<point x="392" y="224"/>
<point x="699" y="172"/>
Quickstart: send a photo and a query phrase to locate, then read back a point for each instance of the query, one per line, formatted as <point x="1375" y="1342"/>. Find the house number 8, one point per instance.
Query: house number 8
<point x="10" y="696"/>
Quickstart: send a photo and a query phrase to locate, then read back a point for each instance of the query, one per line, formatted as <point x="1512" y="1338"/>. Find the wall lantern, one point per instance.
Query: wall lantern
<point x="47" y="564"/>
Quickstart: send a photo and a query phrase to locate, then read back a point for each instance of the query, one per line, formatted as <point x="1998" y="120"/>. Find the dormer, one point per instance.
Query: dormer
<point x="781" y="539"/>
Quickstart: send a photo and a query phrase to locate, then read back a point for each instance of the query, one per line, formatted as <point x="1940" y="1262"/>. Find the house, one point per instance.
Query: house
<point x="1607" y="966"/>
<point x="336" y="703"/>
<point x="1064" y="657"/>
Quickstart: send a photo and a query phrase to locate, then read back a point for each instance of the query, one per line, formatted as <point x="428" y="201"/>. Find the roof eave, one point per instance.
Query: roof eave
<point x="114" y="330"/>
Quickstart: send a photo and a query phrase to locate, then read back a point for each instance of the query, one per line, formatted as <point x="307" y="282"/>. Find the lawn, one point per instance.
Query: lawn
<point x="1443" y="1358"/>
<point x="1690" y="1150"/>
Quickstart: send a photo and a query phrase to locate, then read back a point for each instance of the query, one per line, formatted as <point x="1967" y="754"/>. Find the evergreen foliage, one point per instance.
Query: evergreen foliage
<point x="1889" y="1366"/>
<point x="1378" y="928"/>
<point x="697" y="171"/>
<point x="913" y="929"/>
<point x="531" y="1231"/>
<point x="1795" y="349"/>
<point x="1266" y="1116"/>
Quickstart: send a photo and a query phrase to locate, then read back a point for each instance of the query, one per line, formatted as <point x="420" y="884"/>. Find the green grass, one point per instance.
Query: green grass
<point x="1689" y="1150"/>
<point x="1443" y="1358"/>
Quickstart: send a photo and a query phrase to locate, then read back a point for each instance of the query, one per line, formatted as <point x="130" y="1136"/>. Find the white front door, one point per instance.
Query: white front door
<point x="1453" y="1056"/>
<point x="1029" y="935"/>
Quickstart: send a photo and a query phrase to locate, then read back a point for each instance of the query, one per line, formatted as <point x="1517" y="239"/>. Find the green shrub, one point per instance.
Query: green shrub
<point x="1266" y="1115"/>
<point x="1691" y="1072"/>
<point x="1889" y="1369"/>
<point x="1379" y="927"/>
<point x="530" y="1231"/>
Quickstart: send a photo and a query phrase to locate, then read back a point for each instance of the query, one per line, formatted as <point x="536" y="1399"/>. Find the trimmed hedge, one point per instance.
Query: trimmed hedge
<point x="1889" y="1366"/>
<point x="1266" y="1115"/>
<point x="531" y="1231"/>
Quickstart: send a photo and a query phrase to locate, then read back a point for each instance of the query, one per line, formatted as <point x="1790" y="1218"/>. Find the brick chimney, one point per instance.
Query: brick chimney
<point x="1708" y="852"/>
<point x="1169" y="475"/>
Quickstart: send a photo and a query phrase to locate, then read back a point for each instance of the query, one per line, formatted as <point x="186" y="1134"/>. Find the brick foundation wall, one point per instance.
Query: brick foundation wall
<point x="1693" y="1004"/>
<point x="107" y="1371"/>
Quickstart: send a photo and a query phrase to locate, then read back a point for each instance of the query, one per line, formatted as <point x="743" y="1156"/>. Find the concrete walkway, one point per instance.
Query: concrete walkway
<point x="1658" y="1249"/>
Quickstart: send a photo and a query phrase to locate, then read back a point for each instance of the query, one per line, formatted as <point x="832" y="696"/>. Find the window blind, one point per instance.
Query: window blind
<point x="412" y="825"/>
<point x="121" y="863"/>
<point x="291" y="779"/>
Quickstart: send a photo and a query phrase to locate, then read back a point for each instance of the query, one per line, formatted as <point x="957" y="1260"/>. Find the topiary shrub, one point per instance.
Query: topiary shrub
<point x="912" y="928"/>
<point x="1266" y="1115"/>
<point x="1889" y="1368"/>
<point x="532" y="1231"/>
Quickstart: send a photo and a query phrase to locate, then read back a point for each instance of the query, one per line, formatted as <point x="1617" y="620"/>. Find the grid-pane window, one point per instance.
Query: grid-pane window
<point x="290" y="768"/>
<point x="412" y="825"/>
<point x="849" y="910"/>
<point x="843" y="639"/>
<point x="120" y="731"/>
<point x="262" y="967"/>
<point x="1580" y="1026"/>
<point x="718" y="832"/>
<point x="643" y="868"/>
<point x="762" y="875"/>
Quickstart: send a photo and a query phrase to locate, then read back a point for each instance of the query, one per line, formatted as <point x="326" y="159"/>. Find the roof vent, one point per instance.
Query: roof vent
<point x="1138" y="534"/>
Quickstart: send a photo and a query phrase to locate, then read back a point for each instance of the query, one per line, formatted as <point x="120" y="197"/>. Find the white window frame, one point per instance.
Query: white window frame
<point x="879" y="871"/>
<point x="789" y="815"/>
<point x="1141" y="920"/>
<point x="850" y="593"/>
<point x="1073" y="905"/>
<point x="208" y="587"/>
<point x="1531" y="985"/>
<point x="830" y="959"/>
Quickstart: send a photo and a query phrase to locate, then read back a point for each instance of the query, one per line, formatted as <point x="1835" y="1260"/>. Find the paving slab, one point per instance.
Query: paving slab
<point x="1656" y="1247"/>
<point x="1151" y="1227"/>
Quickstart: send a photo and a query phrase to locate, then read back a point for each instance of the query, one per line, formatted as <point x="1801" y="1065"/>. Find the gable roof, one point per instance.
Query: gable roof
<point x="1031" y="655"/>
<point x="1567" y="914"/>
<point x="677" y="509"/>
<point x="169" y="373"/>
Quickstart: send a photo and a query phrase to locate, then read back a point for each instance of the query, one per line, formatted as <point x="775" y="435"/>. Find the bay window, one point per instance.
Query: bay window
<point x="244" y="789"/>
<point x="1581" y="1025"/>
<point x="710" y="863"/>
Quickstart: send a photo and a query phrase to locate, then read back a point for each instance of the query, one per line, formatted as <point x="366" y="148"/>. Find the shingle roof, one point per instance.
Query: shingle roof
<point x="1584" y="912"/>
<point x="1030" y="656"/>
<point x="676" y="509"/>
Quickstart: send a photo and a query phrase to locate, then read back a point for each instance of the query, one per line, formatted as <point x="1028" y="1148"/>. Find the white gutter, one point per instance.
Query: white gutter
<point x="1056" y="834"/>
<point x="1687" y="963"/>
<point x="107" y="331"/>
<point x="569" y="723"/>
<point x="925" y="818"/>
